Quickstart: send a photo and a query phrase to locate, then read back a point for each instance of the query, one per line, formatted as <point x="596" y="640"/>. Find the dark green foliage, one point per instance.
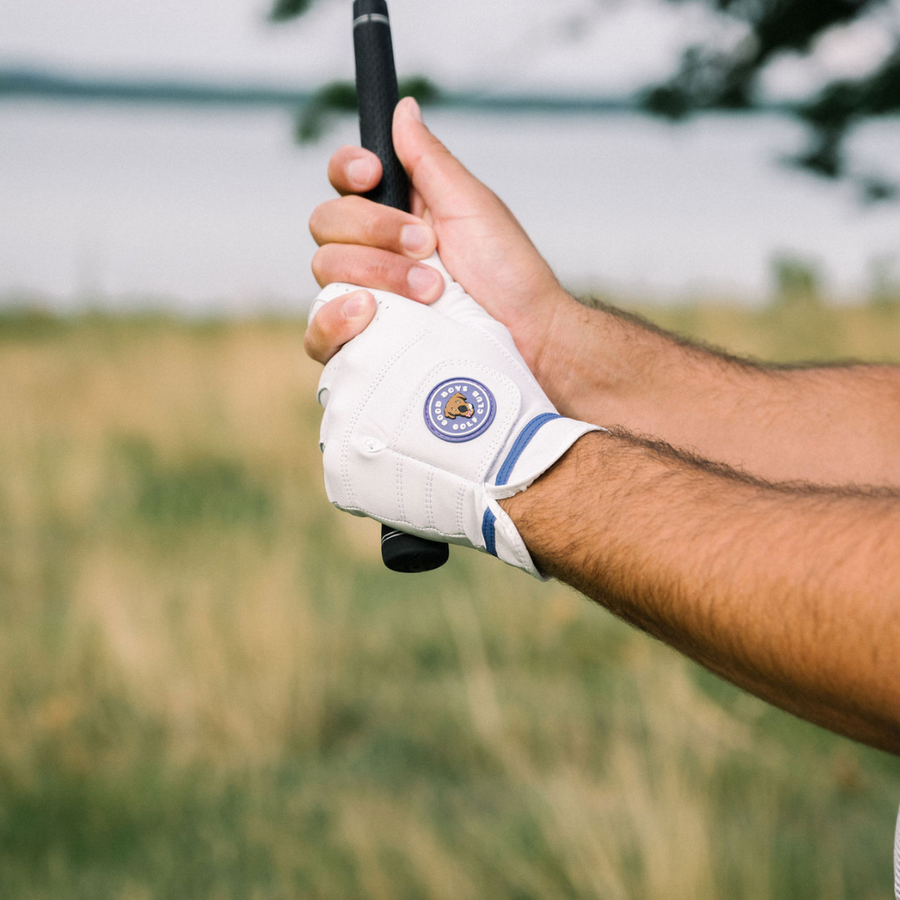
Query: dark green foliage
<point x="712" y="78"/>
<point x="337" y="97"/>
<point x="792" y="24"/>
<point x="289" y="9"/>
<point x="421" y="88"/>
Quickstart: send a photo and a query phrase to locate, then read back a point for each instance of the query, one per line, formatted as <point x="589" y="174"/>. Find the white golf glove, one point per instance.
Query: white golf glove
<point x="431" y="416"/>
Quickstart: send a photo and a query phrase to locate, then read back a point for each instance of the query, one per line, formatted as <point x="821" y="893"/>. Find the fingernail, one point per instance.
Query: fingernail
<point x="355" y="305"/>
<point x="424" y="281"/>
<point x="412" y="106"/>
<point x="415" y="238"/>
<point x="361" y="171"/>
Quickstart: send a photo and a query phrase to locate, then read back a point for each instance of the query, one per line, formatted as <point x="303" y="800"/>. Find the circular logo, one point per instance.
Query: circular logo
<point x="459" y="409"/>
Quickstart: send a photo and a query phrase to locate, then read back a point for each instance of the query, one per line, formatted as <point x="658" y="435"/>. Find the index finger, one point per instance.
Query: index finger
<point x="353" y="170"/>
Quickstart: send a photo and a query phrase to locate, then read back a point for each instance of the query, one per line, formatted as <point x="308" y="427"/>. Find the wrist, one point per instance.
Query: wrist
<point x="600" y="364"/>
<point x="544" y="513"/>
<point x="560" y="361"/>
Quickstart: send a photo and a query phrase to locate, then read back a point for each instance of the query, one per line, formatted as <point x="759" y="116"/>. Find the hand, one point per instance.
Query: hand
<point x="480" y="242"/>
<point x="431" y="417"/>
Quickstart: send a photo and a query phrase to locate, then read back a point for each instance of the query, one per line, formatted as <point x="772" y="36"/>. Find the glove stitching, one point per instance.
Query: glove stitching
<point x="373" y="387"/>
<point x="410" y="411"/>
<point x="400" y="524"/>
<point x="429" y="497"/>
<point x="401" y="507"/>
<point x="460" y="506"/>
<point x="511" y="358"/>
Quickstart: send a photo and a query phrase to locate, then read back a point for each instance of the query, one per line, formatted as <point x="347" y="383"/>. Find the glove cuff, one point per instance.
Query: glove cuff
<point x="542" y="442"/>
<point x="502" y="539"/>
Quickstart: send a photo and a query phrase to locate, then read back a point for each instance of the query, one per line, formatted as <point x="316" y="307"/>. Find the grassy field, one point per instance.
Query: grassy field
<point x="210" y="688"/>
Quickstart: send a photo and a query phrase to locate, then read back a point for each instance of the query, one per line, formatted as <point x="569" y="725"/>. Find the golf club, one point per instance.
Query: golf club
<point x="376" y="88"/>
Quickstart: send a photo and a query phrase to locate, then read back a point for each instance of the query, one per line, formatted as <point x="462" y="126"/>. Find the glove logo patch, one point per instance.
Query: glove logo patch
<point x="459" y="409"/>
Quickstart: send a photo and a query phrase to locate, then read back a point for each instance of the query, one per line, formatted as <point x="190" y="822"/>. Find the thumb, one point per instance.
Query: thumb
<point x="337" y="320"/>
<point x="444" y="183"/>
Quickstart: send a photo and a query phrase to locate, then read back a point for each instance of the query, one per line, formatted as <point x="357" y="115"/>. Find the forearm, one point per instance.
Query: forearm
<point x="793" y="594"/>
<point x="826" y="425"/>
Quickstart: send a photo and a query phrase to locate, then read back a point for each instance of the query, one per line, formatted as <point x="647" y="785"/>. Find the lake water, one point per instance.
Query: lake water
<point x="207" y="210"/>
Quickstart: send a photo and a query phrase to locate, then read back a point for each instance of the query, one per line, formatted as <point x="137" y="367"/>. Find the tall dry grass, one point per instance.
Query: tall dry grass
<point x="209" y="687"/>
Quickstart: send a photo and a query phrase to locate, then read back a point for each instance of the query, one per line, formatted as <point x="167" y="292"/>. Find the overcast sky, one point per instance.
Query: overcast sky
<point x="606" y="46"/>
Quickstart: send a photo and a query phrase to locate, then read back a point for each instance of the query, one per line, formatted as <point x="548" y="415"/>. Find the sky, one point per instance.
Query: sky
<point x="469" y="41"/>
<point x="607" y="46"/>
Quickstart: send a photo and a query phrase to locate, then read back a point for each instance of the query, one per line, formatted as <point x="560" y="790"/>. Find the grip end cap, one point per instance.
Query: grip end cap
<point x="410" y="554"/>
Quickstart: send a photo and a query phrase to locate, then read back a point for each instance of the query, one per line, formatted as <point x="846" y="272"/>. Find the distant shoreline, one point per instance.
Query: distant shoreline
<point x="37" y="84"/>
<point x="34" y="84"/>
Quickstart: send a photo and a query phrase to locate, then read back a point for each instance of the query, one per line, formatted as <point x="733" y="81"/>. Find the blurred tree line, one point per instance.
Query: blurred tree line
<point x="726" y="73"/>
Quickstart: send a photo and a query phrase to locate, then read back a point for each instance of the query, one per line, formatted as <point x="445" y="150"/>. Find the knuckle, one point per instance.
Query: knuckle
<point x="317" y="219"/>
<point x="354" y="218"/>
<point x="337" y="166"/>
<point x="354" y="205"/>
<point x="324" y="334"/>
<point x="370" y="229"/>
<point x="319" y="267"/>
<point x="342" y="154"/>
<point x="383" y="271"/>
<point x="431" y="157"/>
<point x="310" y="344"/>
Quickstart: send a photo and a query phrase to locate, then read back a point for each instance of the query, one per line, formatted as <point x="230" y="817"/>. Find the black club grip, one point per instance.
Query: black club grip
<point x="376" y="89"/>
